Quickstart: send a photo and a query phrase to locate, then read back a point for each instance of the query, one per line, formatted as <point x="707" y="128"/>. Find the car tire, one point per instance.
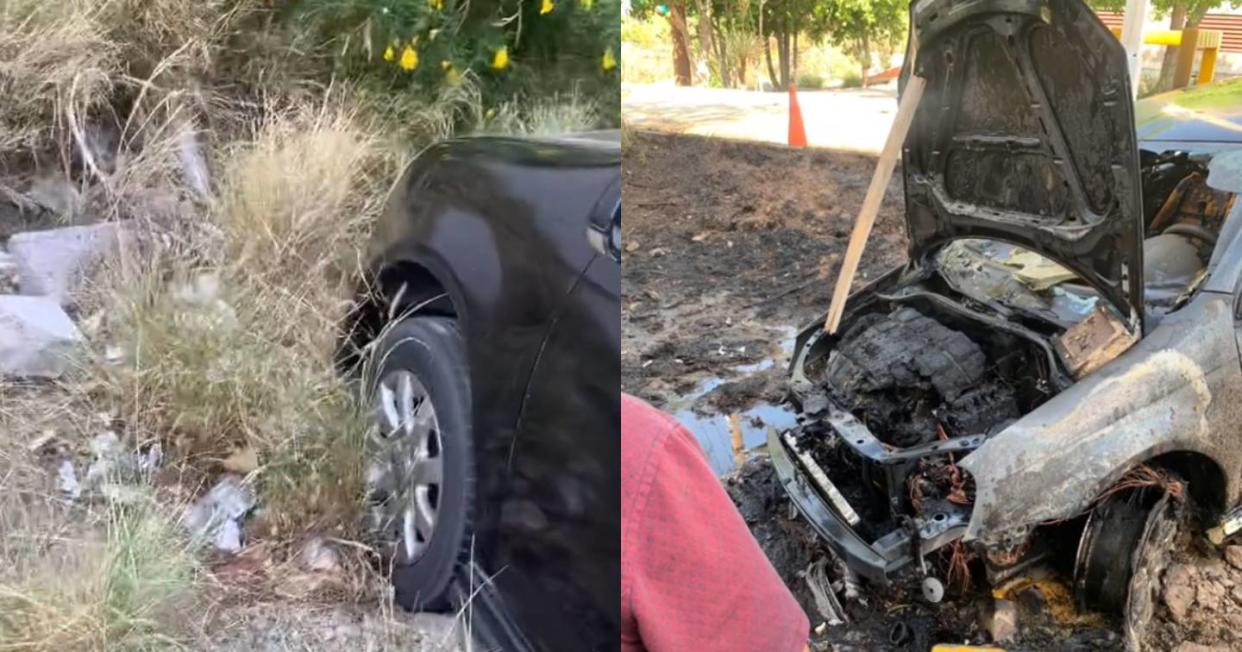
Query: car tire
<point x="433" y="350"/>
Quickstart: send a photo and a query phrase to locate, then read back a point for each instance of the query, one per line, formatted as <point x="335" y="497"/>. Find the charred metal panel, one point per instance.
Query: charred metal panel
<point x="1179" y="389"/>
<point x="1025" y="133"/>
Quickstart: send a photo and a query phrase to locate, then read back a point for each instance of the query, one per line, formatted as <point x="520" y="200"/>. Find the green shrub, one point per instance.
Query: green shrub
<point x="810" y="81"/>
<point x="852" y="80"/>
<point x="513" y="47"/>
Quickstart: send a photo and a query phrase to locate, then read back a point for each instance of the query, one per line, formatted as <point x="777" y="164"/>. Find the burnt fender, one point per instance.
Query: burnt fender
<point x="1179" y="389"/>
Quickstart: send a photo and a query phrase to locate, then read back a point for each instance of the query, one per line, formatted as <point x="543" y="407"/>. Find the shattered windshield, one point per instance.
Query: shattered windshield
<point x="991" y="271"/>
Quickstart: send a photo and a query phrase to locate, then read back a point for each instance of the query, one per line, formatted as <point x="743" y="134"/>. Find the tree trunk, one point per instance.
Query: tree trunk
<point x="865" y="55"/>
<point x="767" y="55"/>
<point x="706" y="48"/>
<point x="783" y="51"/>
<point x="795" y="55"/>
<point x="1168" y="65"/>
<point x="722" y="57"/>
<point x="681" y="47"/>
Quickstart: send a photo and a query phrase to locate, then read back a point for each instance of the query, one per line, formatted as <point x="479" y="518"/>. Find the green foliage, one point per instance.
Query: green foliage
<point x="810" y="81"/>
<point x="1195" y="9"/>
<point x="865" y="27"/>
<point x="852" y="80"/>
<point x="513" y="47"/>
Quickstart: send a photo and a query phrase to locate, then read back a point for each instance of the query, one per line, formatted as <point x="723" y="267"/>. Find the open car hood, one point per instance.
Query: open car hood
<point x="1025" y="133"/>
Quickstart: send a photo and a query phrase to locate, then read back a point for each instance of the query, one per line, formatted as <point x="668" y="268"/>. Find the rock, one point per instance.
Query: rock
<point x="1001" y="620"/>
<point x="37" y="338"/>
<point x="57" y="194"/>
<point x="217" y="515"/>
<point x="1209" y="595"/>
<point x="1233" y="555"/>
<point x="318" y="555"/>
<point x="1179" y="591"/>
<point x="54" y="262"/>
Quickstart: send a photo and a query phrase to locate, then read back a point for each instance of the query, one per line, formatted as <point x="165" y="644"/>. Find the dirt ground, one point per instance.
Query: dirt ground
<point x="729" y="249"/>
<point x="728" y="245"/>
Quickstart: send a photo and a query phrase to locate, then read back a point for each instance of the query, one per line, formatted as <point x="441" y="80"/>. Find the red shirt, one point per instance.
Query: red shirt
<point x="692" y="576"/>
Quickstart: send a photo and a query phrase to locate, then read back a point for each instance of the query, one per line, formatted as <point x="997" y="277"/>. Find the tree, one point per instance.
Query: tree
<point x="675" y="12"/>
<point x="783" y="21"/>
<point x="1183" y="14"/>
<point x="864" y="27"/>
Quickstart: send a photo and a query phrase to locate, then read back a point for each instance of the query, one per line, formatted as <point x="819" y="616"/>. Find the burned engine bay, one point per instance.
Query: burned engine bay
<point x="937" y="356"/>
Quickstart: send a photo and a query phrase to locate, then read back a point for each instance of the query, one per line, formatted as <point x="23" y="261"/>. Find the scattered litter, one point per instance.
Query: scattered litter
<point x="1000" y="620"/>
<point x="67" y="480"/>
<point x="37" y="338"/>
<point x="1038" y="272"/>
<point x="318" y="555"/>
<point x="217" y="516"/>
<point x="933" y="590"/>
<point x="826" y="603"/>
<point x="631" y="246"/>
<point x="1093" y="342"/>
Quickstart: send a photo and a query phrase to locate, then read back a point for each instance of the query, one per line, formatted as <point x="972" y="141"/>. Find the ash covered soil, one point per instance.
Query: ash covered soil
<point x="728" y="248"/>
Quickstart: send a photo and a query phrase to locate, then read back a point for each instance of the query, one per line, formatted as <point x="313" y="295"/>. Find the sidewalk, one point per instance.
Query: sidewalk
<point x="849" y="119"/>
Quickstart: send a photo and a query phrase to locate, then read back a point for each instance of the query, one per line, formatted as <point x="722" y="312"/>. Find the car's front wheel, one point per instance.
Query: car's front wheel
<point x="419" y="458"/>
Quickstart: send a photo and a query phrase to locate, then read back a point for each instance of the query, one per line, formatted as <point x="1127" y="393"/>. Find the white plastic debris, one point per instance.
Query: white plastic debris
<point x="318" y="555"/>
<point x="826" y="603"/>
<point x="109" y="459"/>
<point x="54" y="262"/>
<point x="37" y="338"/>
<point x="67" y="480"/>
<point x="217" y="516"/>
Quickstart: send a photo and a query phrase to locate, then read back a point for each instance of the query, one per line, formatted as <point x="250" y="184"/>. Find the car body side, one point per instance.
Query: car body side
<point x="493" y="231"/>
<point x="1175" y="399"/>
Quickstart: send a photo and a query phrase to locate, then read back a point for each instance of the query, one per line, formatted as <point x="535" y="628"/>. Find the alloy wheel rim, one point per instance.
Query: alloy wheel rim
<point x="405" y="467"/>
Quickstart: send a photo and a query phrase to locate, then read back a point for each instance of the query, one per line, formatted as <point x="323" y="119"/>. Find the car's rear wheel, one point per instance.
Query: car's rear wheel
<point x="419" y="458"/>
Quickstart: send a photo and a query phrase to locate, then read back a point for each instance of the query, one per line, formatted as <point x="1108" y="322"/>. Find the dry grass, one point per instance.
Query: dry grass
<point x="54" y="56"/>
<point x="80" y="577"/>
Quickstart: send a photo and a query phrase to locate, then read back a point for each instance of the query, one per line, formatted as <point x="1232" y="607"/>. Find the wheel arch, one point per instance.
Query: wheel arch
<point x="1204" y="476"/>
<point x="398" y="289"/>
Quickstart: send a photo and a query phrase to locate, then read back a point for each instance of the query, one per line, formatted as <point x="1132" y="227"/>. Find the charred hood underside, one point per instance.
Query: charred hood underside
<point x="1025" y="133"/>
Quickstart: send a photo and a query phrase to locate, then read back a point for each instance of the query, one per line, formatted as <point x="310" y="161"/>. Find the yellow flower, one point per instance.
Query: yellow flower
<point x="436" y="4"/>
<point x="609" y="62"/>
<point x="491" y="113"/>
<point x="587" y="4"/>
<point x="409" y="59"/>
<point x="545" y="7"/>
<point x="389" y="54"/>
<point x="500" y="60"/>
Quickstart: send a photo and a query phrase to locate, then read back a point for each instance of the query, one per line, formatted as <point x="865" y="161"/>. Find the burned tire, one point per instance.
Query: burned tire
<point x="420" y="458"/>
<point x="1125" y="546"/>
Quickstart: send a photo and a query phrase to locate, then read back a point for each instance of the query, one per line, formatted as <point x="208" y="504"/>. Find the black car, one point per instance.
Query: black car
<point x="486" y="334"/>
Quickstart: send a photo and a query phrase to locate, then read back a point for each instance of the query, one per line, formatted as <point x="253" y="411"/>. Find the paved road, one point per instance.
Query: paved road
<point x="854" y="119"/>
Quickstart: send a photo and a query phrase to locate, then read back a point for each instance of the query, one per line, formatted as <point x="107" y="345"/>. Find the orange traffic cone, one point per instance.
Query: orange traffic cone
<point x="797" y="132"/>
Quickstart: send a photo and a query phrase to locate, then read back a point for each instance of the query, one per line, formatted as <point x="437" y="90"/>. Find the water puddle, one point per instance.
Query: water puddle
<point x="716" y="437"/>
<point x="713" y="430"/>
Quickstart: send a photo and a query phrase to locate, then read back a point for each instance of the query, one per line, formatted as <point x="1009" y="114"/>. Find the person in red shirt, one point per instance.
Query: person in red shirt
<point x="692" y="576"/>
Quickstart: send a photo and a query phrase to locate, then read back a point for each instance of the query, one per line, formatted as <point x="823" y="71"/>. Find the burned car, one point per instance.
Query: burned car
<point x="1054" y="374"/>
